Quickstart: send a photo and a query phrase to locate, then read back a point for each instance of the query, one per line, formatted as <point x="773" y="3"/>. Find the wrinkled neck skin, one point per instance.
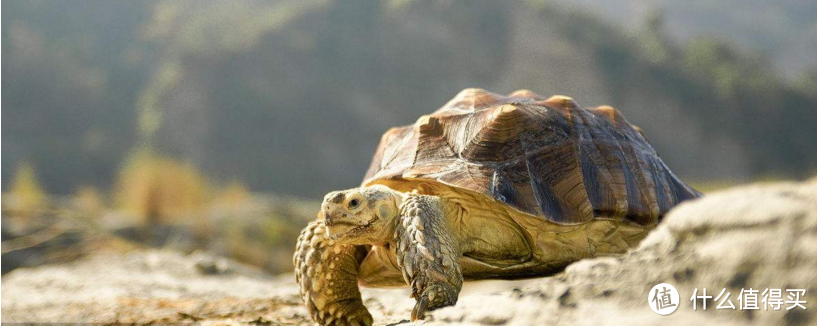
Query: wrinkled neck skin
<point x="386" y="231"/>
<point x="384" y="235"/>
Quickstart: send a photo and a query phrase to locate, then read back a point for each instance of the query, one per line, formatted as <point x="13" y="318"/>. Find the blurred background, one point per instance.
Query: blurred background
<point x="216" y="126"/>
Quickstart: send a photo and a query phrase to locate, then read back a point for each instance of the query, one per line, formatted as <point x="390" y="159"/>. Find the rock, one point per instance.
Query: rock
<point x="757" y="236"/>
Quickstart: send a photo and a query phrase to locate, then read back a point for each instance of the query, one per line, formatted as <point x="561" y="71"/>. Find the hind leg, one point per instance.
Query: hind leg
<point x="328" y="277"/>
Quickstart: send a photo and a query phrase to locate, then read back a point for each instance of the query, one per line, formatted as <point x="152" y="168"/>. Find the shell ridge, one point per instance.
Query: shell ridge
<point x="646" y="185"/>
<point x="637" y="186"/>
<point x="578" y="189"/>
<point x="467" y="136"/>
<point x="403" y="142"/>
<point x="633" y="154"/>
<point x="538" y="196"/>
<point x="545" y="184"/>
<point x="601" y="165"/>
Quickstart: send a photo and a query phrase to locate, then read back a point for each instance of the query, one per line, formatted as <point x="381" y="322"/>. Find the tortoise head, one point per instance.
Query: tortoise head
<point x="363" y="215"/>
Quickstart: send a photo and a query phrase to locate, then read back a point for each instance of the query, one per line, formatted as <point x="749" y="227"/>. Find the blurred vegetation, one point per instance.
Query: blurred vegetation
<point x="157" y="189"/>
<point x="89" y="201"/>
<point x="784" y="29"/>
<point x="26" y="192"/>
<point x="158" y="202"/>
<point x="202" y="125"/>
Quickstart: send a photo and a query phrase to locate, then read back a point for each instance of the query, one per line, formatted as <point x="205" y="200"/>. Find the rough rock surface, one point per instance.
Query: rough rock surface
<point x="757" y="236"/>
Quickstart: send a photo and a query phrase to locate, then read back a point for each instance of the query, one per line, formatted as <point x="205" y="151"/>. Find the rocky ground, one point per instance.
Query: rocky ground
<point x="757" y="236"/>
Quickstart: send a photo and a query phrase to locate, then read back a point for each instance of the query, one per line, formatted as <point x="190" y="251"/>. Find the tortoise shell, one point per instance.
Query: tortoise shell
<point x="545" y="157"/>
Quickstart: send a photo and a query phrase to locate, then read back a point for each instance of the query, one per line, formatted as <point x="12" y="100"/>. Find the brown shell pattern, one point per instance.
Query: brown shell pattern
<point x="545" y="157"/>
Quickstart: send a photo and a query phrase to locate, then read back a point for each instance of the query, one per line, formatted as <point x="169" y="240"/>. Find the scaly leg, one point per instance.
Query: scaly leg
<point x="428" y="254"/>
<point x="328" y="275"/>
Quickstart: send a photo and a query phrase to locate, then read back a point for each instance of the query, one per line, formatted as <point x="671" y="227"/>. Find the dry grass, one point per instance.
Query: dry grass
<point x="26" y="193"/>
<point x="160" y="190"/>
<point x="89" y="200"/>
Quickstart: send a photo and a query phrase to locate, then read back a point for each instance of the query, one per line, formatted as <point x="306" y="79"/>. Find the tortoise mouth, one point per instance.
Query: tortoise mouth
<point x="337" y="230"/>
<point x="345" y="230"/>
<point x="341" y="220"/>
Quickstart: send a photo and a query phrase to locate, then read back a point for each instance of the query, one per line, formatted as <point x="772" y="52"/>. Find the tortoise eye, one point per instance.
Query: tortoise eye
<point x="353" y="203"/>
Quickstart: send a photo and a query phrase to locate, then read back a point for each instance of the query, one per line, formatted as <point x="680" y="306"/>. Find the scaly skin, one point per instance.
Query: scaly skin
<point x="420" y="232"/>
<point x="427" y="254"/>
<point x="327" y="273"/>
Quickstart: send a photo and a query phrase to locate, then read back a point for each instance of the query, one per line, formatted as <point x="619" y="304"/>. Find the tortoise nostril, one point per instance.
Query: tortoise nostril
<point x="337" y="198"/>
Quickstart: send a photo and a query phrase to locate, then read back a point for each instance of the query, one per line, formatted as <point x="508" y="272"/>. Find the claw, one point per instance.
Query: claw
<point x="420" y="308"/>
<point x="368" y="320"/>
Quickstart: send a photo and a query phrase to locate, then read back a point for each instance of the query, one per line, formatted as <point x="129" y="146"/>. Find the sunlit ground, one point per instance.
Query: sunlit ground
<point x="162" y="203"/>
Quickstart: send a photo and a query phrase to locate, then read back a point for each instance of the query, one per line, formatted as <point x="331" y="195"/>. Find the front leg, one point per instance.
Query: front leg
<point x="328" y="277"/>
<point x="427" y="253"/>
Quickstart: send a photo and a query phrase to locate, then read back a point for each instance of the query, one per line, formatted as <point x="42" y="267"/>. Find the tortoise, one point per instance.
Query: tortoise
<point x="487" y="186"/>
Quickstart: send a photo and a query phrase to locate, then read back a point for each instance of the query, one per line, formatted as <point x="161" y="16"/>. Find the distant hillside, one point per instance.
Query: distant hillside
<point x="292" y="96"/>
<point x="784" y="30"/>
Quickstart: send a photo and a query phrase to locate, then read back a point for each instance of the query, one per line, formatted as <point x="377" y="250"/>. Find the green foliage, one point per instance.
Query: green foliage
<point x="205" y="31"/>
